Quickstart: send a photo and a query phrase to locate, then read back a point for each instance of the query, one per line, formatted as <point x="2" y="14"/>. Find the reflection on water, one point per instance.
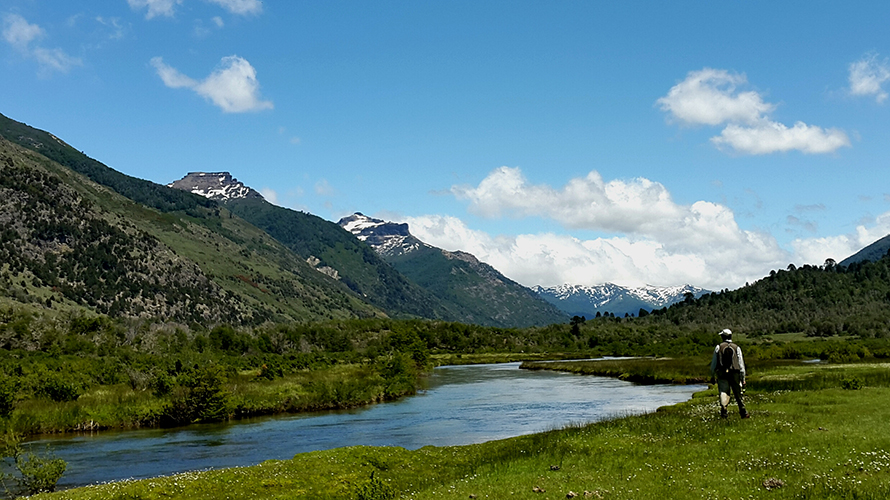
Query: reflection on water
<point x="462" y="405"/>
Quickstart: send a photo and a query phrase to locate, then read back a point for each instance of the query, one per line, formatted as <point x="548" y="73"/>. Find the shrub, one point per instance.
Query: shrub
<point x="852" y="383"/>
<point x="9" y="388"/>
<point x="376" y="489"/>
<point x="37" y="474"/>
<point x="201" y="397"/>
<point x="58" y="388"/>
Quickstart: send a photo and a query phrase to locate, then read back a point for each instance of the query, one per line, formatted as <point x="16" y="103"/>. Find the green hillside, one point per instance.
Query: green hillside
<point x="164" y="254"/>
<point x="818" y="301"/>
<point x="358" y="265"/>
<point x="481" y="294"/>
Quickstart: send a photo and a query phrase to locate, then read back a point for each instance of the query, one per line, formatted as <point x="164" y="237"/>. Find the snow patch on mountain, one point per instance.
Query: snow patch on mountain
<point x="219" y="186"/>
<point x="609" y="297"/>
<point x="387" y="238"/>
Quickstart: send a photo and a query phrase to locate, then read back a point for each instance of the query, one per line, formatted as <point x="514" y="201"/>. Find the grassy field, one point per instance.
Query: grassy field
<point x="812" y="442"/>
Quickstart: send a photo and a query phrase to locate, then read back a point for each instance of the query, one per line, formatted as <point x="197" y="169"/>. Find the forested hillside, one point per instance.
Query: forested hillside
<point x="71" y="243"/>
<point x="816" y="300"/>
<point x="481" y="293"/>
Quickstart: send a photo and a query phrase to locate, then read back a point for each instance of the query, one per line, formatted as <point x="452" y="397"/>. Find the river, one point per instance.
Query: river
<point x="461" y="405"/>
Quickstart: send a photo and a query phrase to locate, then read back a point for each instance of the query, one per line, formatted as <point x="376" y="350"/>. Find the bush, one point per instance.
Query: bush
<point x="57" y="388"/>
<point x="9" y="388"/>
<point x="37" y="474"/>
<point x="376" y="489"/>
<point x="201" y="397"/>
<point x="852" y="383"/>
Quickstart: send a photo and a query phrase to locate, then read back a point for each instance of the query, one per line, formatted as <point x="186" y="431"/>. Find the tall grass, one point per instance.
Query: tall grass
<point x="120" y="406"/>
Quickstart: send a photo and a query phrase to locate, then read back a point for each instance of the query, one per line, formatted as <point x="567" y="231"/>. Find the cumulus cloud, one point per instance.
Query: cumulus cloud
<point x="700" y="244"/>
<point x="817" y="250"/>
<point x="550" y="259"/>
<point x="712" y="97"/>
<point x="24" y="37"/>
<point x="656" y="240"/>
<point x="867" y="77"/>
<point x="709" y="97"/>
<point x="155" y="8"/>
<point x="771" y="137"/>
<point x="637" y="206"/>
<point x="232" y="86"/>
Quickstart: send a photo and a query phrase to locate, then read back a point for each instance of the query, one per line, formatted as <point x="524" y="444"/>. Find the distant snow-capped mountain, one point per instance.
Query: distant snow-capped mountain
<point x="579" y="300"/>
<point x="219" y="186"/>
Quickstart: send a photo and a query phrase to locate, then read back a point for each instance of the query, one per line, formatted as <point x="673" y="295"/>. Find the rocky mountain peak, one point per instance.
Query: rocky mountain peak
<point x="387" y="238"/>
<point x="219" y="186"/>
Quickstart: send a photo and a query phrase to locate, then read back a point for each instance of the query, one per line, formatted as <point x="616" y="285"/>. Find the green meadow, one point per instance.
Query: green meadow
<point x="818" y="431"/>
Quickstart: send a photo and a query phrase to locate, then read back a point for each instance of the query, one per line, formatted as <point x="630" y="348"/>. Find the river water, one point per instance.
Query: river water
<point x="461" y="405"/>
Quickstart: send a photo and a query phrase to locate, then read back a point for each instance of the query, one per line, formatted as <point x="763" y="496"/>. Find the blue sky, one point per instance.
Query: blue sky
<point x="562" y="142"/>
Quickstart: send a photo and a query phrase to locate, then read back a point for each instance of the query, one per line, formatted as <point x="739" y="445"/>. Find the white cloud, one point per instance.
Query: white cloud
<point x="232" y="86"/>
<point x="241" y="7"/>
<point x="218" y="21"/>
<point x="23" y="36"/>
<point x="550" y="259"/>
<point x="171" y="76"/>
<point x="817" y="250"/>
<point x="657" y="240"/>
<point x="19" y="33"/>
<point x="711" y="97"/>
<point x="770" y="137"/>
<point x="155" y="7"/>
<point x="270" y="195"/>
<point x="118" y="31"/>
<point x="708" y="97"/>
<point x="867" y="77"/>
<point x="639" y="206"/>
<point x="699" y="244"/>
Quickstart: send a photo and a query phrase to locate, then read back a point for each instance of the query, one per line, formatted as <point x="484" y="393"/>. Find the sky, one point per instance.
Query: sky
<point x="571" y="142"/>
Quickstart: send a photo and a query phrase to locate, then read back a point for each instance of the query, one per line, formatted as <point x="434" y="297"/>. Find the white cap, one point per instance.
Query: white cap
<point x="726" y="333"/>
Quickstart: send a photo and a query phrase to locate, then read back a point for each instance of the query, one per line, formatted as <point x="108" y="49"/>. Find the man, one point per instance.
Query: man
<point x="729" y="367"/>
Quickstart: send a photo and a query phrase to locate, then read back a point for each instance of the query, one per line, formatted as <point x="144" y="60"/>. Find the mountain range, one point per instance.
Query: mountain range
<point x="587" y="301"/>
<point x="429" y="283"/>
<point x="77" y="235"/>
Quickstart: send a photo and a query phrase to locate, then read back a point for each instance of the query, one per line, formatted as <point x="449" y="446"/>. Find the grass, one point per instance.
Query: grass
<point x="120" y="406"/>
<point x="806" y="444"/>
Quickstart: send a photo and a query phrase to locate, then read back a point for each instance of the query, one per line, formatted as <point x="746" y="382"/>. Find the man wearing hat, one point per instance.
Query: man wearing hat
<point x="729" y="367"/>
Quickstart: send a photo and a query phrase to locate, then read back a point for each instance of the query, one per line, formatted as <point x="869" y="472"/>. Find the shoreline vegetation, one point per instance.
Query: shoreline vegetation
<point x="818" y="431"/>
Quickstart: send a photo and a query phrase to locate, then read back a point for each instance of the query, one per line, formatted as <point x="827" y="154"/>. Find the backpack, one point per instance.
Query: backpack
<point x="728" y="358"/>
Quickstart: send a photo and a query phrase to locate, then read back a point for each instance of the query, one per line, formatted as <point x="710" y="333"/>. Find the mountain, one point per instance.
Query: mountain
<point x="871" y="253"/>
<point x="77" y="235"/>
<point x="218" y="186"/>
<point x="324" y="245"/>
<point x="477" y="291"/>
<point x="579" y="300"/>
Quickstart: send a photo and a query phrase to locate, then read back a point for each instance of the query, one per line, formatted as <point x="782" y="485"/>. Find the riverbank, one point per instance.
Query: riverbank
<point x="828" y="442"/>
<point x="246" y="393"/>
